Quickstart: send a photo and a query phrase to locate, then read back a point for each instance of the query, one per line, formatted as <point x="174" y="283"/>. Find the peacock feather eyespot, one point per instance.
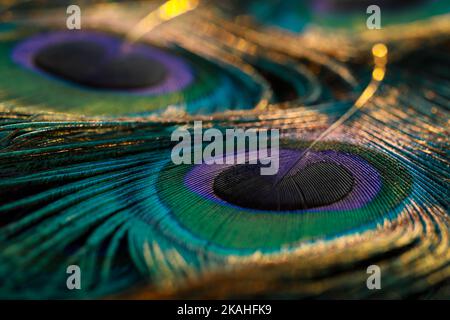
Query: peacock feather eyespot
<point x="99" y="61"/>
<point x="98" y="74"/>
<point x="338" y="188"/>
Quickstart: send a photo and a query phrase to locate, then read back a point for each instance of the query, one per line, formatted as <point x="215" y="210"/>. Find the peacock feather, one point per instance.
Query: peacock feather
<point x="85" y="152"/>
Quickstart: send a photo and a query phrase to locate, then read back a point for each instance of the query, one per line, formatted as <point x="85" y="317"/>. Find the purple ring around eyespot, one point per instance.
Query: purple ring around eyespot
<point x="180" y="74"/>
<point x="367" y="181"/>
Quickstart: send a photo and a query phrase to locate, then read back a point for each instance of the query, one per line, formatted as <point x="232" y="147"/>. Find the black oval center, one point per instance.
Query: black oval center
<point x="87" y="63"/>
<point x="316" y="185"/>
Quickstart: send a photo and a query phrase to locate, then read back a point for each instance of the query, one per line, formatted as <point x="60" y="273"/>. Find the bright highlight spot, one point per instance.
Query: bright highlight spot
<point x="379" y="50"/>
<point x="378" y="74"/>
<point x="174" y="8"/>
<point x="167" y="11"/>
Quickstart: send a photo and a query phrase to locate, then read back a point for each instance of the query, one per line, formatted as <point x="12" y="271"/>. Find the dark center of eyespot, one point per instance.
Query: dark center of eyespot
<point x="316" y="185"/>
<point x="87" y="63"/>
